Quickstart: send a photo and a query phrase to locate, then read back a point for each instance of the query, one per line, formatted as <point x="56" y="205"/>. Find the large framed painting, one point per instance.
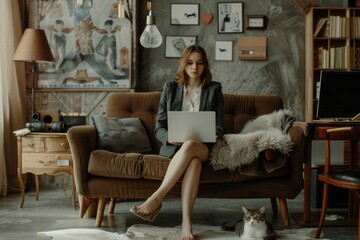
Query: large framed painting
<point x="92" y="47"/>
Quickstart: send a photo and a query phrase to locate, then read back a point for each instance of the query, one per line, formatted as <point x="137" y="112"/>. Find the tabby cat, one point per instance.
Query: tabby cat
<point x="253" y="226"/>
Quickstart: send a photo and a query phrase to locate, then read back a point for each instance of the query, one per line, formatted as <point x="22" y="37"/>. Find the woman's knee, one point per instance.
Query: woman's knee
<point x="196" y="148"/>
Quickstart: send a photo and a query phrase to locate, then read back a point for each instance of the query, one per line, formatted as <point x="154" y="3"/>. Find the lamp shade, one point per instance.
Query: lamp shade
<point x="33" y="46"/>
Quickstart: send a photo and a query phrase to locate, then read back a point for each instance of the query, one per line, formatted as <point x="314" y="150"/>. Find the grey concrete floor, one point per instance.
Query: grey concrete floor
<point x="53" y="211"/>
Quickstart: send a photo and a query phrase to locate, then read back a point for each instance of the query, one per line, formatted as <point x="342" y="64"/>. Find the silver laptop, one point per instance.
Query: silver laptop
<point x="184" y="125"/>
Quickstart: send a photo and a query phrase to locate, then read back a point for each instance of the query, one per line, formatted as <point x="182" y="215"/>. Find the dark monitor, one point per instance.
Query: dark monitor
<point x="339" y="96"/>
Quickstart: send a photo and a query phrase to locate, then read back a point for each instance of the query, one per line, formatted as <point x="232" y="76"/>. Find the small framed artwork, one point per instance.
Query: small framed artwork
<point x="255" y="22"/>
<point x="224" y="50"/>
<point x="231" y="17"/>
<point x="184" y="14"/>
<point x="175" y="45"/>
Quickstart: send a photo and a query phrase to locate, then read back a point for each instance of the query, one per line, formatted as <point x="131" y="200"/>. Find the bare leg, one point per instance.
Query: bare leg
<point x="189" y="189"/>
<point x="177" y="167"/>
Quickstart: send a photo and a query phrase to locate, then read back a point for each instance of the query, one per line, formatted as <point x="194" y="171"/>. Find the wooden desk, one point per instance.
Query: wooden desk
<point x="317" y="131"/>
<point x="43" y="153"/>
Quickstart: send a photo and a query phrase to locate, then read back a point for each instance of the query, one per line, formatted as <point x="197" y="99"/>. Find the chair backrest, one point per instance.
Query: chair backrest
<point x="238" y="109"/>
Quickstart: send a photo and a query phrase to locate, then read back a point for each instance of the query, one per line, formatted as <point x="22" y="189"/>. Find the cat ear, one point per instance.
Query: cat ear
<point x="262" y="210"/>
<point x="244" y="210"/>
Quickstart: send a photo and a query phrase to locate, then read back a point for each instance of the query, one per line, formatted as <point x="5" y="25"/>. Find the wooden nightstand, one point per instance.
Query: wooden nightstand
<point x="43" y="153"/>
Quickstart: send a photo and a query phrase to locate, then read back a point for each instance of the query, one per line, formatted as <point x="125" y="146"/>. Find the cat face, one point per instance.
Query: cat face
<point x="252" y="216"/>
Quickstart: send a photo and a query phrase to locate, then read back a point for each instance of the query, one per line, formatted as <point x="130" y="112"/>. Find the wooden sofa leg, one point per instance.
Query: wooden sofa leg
<point x="100" y="211"/>
<point x="112" y="205"/>
<point x="84" y="205"/>
<point x="284" y="212"/>
<point x="274" y="206"/>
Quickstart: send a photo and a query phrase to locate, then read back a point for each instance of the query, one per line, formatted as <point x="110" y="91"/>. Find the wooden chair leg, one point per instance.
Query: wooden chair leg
<point x="359" y="220"/>
<point x="37" y="186"/>
<point x="100" y="211"/>
<point x="112" y="205"/>
<point x="84" y="204"/>
<point x="274" y="206"/>
<point x="323" y="210"/>
<point x="357" y="193"/>
<point x="284" y="212"/>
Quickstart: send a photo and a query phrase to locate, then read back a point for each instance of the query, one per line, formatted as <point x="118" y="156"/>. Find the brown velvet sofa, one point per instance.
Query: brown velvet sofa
<point x="106" y="176"/>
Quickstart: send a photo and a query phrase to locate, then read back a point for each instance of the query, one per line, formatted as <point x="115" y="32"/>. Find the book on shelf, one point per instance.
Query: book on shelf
<point x="333" y="58"/>
<point x="355" y="27"/>
<point x="320" y="27"/>
<point x="324" y="60"/>
<point x="337" y="27"/>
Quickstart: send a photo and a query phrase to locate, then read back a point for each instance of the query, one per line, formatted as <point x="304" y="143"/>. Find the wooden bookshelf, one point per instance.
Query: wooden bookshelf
<point x="332" y="37"/>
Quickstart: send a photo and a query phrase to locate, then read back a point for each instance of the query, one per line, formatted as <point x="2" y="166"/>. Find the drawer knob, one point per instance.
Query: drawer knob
<point x="64" y="146"/>
<point x="47" y="163"/>
<point x="31" y="145"/>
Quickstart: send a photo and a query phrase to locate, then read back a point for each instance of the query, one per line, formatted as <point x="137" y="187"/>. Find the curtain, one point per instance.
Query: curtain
<point x="12" y="94"/>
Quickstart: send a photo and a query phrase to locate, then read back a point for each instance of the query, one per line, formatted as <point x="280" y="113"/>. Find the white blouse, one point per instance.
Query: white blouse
<point x="191" y="100"/>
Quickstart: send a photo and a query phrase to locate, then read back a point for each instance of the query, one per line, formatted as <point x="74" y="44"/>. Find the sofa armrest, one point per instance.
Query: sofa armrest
<point x="82" y="141"/>
<point x="298" y="133"/>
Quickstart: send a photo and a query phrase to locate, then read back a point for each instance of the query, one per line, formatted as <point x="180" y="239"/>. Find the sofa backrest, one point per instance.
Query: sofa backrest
<point x="238" y="109"/>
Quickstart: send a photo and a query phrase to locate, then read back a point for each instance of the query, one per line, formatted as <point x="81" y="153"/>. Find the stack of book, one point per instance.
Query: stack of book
<point x="333" y="58"/>
<point x="331" y="27"/>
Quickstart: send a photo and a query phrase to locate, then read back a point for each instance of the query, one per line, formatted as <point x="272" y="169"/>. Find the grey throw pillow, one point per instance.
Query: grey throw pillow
<point x="121" y="135"/>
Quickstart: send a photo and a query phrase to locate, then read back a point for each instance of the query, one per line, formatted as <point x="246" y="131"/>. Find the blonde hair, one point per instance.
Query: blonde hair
<point x="181" y="75"/>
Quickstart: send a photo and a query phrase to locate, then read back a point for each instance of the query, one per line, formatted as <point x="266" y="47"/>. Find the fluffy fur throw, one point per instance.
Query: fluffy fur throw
<point x="265" y="132"/>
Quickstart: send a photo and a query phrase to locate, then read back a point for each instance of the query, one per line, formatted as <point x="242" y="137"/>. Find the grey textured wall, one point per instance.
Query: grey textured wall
<point x="282" y="74"/>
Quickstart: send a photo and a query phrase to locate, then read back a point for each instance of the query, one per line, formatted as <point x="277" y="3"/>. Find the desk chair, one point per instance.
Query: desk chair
<point x="347" y="178"/>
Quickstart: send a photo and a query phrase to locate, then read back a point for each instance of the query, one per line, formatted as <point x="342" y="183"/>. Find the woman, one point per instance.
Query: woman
<point x="193" y="90"/>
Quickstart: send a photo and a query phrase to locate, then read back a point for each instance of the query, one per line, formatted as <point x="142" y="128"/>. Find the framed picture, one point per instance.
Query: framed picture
<point x="93" y="49"/>
<point x="224" y="50"/>
<point x="231" y="17"/>
<point x="184" y="14"/>
<point x="175" y="45"/>
<point x="255" y="22"/>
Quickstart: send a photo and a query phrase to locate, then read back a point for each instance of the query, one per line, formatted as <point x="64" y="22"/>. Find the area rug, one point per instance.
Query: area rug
<point x="149" y="232"/>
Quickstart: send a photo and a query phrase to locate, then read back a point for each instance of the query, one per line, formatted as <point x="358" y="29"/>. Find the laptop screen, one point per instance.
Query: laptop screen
<point x="339" y="96"/>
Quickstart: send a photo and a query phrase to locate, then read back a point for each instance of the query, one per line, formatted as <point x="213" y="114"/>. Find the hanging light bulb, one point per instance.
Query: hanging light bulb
<point x="151" y="37"/>
<point x="121" y="9"/>
<point x="79" y="2"/>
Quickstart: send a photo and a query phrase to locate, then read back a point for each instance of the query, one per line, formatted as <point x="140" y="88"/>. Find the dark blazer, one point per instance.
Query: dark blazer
<point x="171" y="100"/>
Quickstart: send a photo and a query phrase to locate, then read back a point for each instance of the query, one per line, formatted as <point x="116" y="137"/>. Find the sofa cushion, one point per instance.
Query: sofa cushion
<point x="121" y="135"/>
<point x="118" y="165"/>
<point x="153" y="167"/>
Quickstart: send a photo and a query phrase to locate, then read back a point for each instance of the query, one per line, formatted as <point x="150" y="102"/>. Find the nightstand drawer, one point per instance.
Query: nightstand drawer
<point x="49" y="163"/>
<point x="45" y="144"/>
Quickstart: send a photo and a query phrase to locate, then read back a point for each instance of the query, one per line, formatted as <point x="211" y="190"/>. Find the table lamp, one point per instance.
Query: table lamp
<point x="33" y="47"/>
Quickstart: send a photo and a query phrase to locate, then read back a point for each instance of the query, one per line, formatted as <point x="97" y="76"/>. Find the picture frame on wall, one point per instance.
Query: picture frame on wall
<point x="224" y="50"/>
<point x="93" y="49"/>
<point x="255" y="22"/>
<point x="230" y="17"/>
<point x="184" y="13"/>
<point x="175" y="45"/>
